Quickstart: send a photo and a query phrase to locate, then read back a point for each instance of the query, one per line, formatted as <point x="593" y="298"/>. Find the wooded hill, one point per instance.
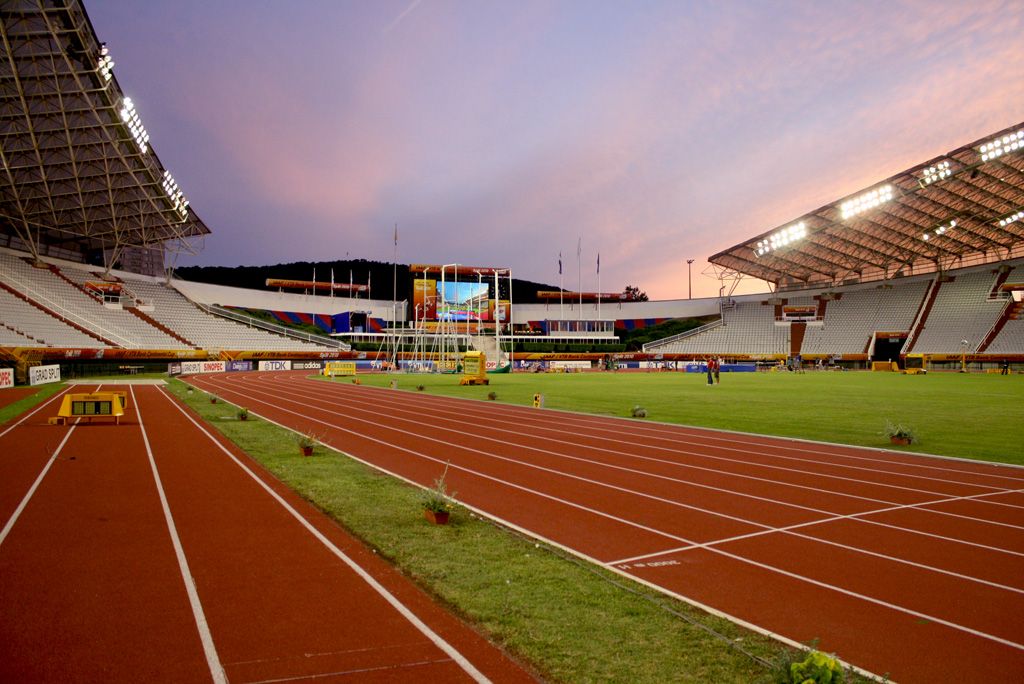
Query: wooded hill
<point x="378" y="274"/>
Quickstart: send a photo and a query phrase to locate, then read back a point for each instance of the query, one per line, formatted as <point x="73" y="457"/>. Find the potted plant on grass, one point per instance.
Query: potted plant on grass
<point x="213" y="398"/>
<point x="306" y="443"/>
<point x="243" y="413"/>
<point x="437" y="502"/>
<point x="899" y="433"/>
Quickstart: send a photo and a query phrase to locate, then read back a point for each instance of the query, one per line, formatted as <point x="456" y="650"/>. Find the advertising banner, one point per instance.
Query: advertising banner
<point x="192" y="367"/>
<point x="307" y="365"/>
<point x="103" y="286"/>
<point x="239" y="365"/>
<point x="41" y="375"/>
<point x="174" y="369"/>
<point x="275" y="365"/>
<point x="340" y="368"/>
<point x="424" y="299"/>
<point x="6" y="377"/>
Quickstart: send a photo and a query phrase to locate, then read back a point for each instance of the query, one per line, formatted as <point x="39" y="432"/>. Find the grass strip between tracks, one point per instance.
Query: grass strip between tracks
<point x="571" y="620"/>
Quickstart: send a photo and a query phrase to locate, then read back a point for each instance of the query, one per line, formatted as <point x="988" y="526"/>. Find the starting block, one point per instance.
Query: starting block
<point x="89" y="406"/>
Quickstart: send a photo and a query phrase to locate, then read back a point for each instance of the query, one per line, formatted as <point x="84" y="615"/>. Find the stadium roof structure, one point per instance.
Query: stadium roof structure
<point x="78" y="172"/>
<point x="961" y="208"/>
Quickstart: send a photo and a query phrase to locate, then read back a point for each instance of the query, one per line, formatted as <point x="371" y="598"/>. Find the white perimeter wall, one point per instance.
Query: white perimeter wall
<point x="282" y="301"/>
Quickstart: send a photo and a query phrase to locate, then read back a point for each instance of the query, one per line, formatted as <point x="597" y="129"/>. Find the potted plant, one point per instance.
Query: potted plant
<point x="492" y="396"/>
<point x="898" y="433"/>
<point x="213" y="398"/>
<point x="437" y="502"/>
<point x="243" y="413"/>
<point x="306" y="443"/>
<point x="639" y="412"/>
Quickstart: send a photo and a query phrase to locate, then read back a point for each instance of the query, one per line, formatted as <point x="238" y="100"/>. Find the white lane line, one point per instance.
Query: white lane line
<point x="765" y="529"/>
<point x="209" y="649"/>
<point x="35" y="485"/>
<point x="37" y="409"/>
<point x="438" y="641"/>
<point x="715" y="550"/>
<point x="687" y="435"/>
<point x="459" y="418"/>
<point x="832" y="516"/>
<point x="46" y="468"/>
<point x="308" y="403"/>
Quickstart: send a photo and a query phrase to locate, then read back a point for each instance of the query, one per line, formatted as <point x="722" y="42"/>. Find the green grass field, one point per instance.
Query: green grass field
<point x="975" y="416"/>
<point x="564" y="616"/>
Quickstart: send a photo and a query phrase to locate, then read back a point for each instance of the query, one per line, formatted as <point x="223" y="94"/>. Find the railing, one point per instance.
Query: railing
<point x="684" y="335"/>
<point x="252" y="322"/>
<point x="68" y="315"/>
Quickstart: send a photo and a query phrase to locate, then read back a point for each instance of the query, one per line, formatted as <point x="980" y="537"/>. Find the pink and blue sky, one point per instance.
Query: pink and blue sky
<point x="501" y="133"/>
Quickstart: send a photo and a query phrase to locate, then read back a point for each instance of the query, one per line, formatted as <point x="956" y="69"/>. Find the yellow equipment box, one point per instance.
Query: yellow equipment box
<point x="89" y="406"/>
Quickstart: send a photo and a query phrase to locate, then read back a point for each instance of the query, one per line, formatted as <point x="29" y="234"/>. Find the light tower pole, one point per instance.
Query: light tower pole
<point x="689" y="278"/>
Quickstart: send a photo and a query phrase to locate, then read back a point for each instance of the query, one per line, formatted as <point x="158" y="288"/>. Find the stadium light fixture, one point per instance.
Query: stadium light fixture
<point x="941" y="230"/>
<point x="868" y="200"/>
<point x="176" y="196"/>
<point x="105" y="63"/>
<point x="1002" y="145"/>
<point x="1012" y="218"/>
<point x="131" y="119"/>
<point x="781" y="238"/>
<point x="935" y="173"/>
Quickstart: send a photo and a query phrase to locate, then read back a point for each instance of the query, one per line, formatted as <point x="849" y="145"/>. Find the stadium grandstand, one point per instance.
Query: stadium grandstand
<point x="927" y="263"/>
<point x="89" y="215"/>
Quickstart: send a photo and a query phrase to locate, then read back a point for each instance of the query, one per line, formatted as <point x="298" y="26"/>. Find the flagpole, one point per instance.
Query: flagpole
<point x="579" y="277"/>
<point x="561" y="293"/>
<point x="394" y="297"/>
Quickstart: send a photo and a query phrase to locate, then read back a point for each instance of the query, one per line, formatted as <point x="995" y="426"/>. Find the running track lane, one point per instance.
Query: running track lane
<point x="903" y="564"/>
<point x="278" y="602"/>
<point x="88" y="581"/>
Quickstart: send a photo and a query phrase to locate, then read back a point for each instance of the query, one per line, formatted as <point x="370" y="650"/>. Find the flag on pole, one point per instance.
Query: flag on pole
<point x="598" y="262"/>
<point x="314" y="281"/>
<point x="332" y="281"/>
<point x="559" y="263"/>
<point x="368" y="290"/>
<point x="396" y="235"/>
<point x="579" y="247"/>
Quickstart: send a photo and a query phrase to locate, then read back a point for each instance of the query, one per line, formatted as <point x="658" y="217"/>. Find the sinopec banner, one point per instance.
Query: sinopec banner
<point x="40" y="375"/>
<point x="192" y="367"/>
<point x="6" y="377"/>
<point x="275" y="365"/>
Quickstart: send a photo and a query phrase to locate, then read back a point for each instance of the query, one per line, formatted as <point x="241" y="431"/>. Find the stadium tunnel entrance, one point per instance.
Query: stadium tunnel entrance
<point x="887" y="346"/>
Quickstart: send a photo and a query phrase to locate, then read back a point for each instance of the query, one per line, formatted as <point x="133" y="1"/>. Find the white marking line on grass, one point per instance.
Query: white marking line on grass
<point x="765" y="529"/>
<point x="209" y="649"/>
<point x="424" y="629"/>
<point x="31" y="413"/>
<point x="309" y="403"/>
<point x="687" y="434"/>
<point x="460" y="419"/>
<point x="764" y="566"/>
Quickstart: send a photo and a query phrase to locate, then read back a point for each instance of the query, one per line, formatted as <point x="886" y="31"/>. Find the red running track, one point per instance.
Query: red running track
<point x="902" y="564"/>
<point x="155" y="551"/>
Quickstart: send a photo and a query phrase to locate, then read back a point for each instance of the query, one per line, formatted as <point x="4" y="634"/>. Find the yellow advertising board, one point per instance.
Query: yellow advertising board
<point x="333" y="368"/>
<point x="474" y="369"/>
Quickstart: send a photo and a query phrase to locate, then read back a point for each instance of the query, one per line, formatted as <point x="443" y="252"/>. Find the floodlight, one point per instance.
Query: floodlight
<point x="105" y="63"/>
<point x="935" y="173"/>
<point x="781" y="238"/>
<point x="1002" y="145"/>
<point x="868" y="200"/>
<point x="131" y="119"/>
<point x="176" y="196"/>
<point x="1012" y="218"/>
